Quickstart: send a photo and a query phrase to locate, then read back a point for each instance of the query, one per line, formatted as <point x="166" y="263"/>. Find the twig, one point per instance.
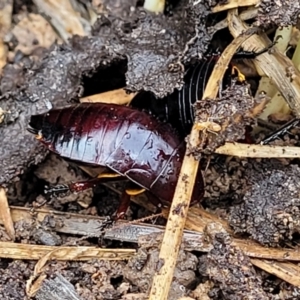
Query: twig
<point x="5" y="215"/>
<point x="285" y="271"/>
<point x="250" y="13"/>
<point x="258" y="151"/>
<point x="116" y="96"/>
<point x="36" y="252"/>
<point x="194" y="239"/>
<point x="181" y="200"/>
<point x="234" y="4"/>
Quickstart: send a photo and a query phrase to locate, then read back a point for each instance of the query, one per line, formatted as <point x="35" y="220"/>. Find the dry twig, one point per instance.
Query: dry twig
<point x="36" y="252"/>
<point x="234" y="4"/>
<point x="283" y="270"/>
<point x="5" y="215"/>
<point x="197" y="220"/>
<point x="118" y="96"/>
<point x="181" y="200"/>
<point x="258" y="151"/>
<point x="156" y="6"/>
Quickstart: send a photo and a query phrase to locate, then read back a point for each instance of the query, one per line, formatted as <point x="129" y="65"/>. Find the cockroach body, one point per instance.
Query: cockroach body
<point x="178" y="108"/>
<point x="130" y="142"/>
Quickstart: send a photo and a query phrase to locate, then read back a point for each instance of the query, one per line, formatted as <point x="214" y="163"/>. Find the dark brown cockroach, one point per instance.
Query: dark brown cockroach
<point x="131" y="143"/>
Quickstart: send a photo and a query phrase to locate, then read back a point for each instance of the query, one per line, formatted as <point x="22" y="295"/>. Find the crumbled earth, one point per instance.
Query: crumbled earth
<point x="279" y="12"/>
<point x="270" y="208"/>
<point x="132" y="48"/>
<point x="223" y="120"/>
<point x="141" y="268"/>
<point x="230" y="269"/>
<point x="225" y="182"/>
<point x="13" y="277"/>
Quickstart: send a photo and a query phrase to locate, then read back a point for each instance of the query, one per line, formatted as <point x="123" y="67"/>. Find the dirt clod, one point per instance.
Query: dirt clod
<point x="270" y="208"/>
<point x="230" y="269"/>
<point x="279" y="12"/>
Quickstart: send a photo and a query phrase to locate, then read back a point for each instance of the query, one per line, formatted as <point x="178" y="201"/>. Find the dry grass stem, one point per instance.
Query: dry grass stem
<point x="277" y="103"/>
<point x="285" y="271"/>
<point x="156" y="6"/>
<point x="198" y="219"/>
<point x="36" y="252"/>
<point x="77" y="224"/>
<point x="234" y="4"/>
<point x="258" y="151"/>
<point x="181" y="200"/>
<point x="5" y="215"/>
<point x="247" y="14"/>
<point x="118" y="96"/>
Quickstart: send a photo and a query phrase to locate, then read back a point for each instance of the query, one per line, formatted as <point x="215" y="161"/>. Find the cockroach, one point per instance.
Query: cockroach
<point x="178" y="108"/>
<point x="129" y="142"/>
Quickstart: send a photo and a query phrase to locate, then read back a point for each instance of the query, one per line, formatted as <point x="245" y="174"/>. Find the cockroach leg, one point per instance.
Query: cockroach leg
<point x="107" y="176"/>
<point x="58" y="190"/>
<point x="62" y="190"/>
<point x="123" y="206"/>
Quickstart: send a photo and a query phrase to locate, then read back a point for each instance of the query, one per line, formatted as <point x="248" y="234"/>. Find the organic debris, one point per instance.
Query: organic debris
<point x="270" y="208"/>
<point x="70" y="51"/>
<point x="140" y="270"/>
<point x="225" y="119"/>
<point x="279" y="12"/>
<point x="241" y="280"/>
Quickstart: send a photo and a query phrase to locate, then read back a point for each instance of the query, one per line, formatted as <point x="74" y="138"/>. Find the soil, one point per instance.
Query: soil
<point x="151" y="55"/>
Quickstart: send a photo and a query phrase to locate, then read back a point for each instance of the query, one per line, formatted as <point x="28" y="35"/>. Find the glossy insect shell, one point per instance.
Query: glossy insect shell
<point x="129" y="142"/>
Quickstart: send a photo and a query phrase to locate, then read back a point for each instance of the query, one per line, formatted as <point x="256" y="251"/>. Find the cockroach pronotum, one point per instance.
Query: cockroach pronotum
<point x="129" y="142"/>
